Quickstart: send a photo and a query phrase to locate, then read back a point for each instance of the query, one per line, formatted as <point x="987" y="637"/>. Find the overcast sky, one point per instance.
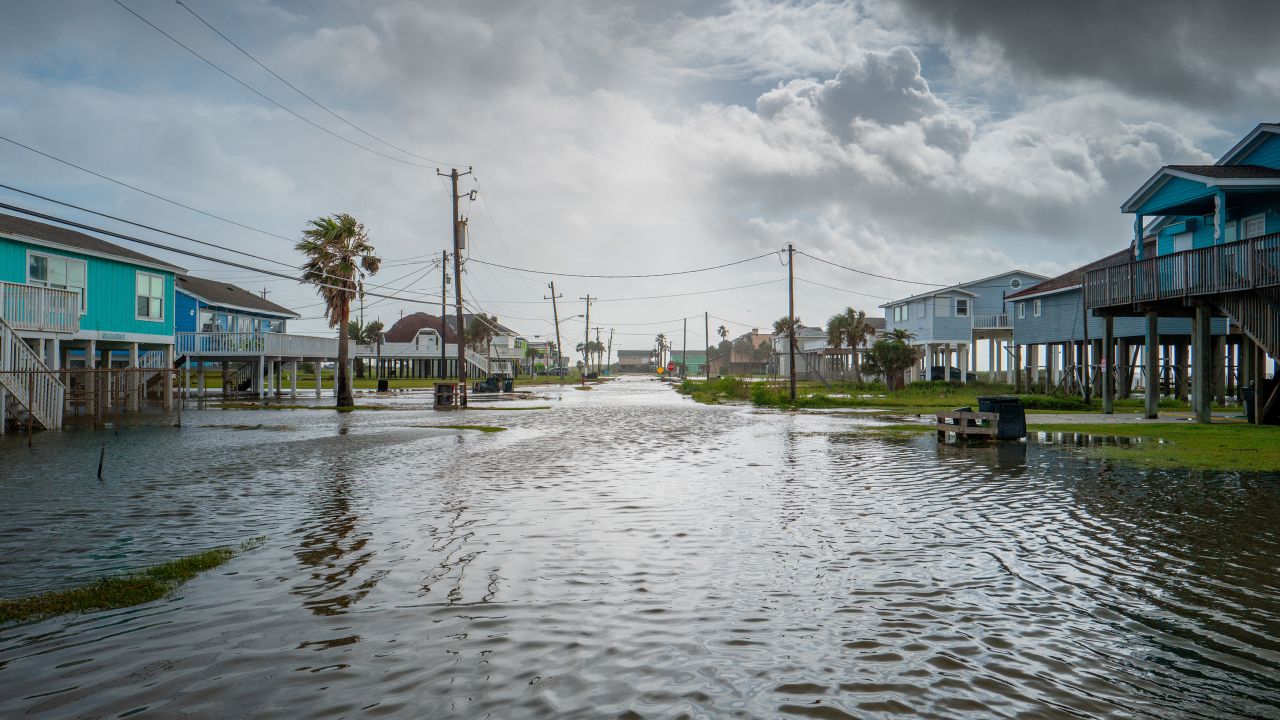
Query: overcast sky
<point x="929" y="141"/>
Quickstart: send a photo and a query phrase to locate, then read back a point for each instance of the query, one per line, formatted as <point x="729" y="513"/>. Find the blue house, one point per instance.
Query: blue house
<point x="243" y="334"/>
<point x="70" y="299"/>
<point x="947" y="323"/>
<point x="1206" y="244"/>
<point x="1059" y="343"/>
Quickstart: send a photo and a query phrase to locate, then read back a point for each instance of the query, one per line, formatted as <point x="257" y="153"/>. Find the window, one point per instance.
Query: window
<point x="920" y="306"/>
<point x="150" y="296"/>
<point x="1182" y="242"/>
<point x="942" y="307"/>
<point x="1255" y="226"/>
<point x="1022" y="310"/>
<point x="1015" y="283"/>
<point x="55" y="271"/>
<point x="1035" y="307"/>
<point x="1229" y="231"/>
<point x="962" y="307"/>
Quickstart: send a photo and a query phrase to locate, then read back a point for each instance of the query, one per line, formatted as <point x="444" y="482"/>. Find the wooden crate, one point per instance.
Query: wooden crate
<point x="967" y="424"/>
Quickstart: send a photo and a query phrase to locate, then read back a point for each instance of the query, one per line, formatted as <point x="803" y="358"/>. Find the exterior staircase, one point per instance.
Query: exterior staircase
<point x="1258" y="315"/>
<point x="31" y="389"/>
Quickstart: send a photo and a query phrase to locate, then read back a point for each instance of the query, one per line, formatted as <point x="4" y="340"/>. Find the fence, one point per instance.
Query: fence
<point x="99" y="395"/>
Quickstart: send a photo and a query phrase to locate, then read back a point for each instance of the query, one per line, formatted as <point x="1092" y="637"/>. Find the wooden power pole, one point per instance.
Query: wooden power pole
<point x="555" y="314"/>
<point x="458" y="244"/>
<point x="586" y="340"/>
<point x="791" y="314"/>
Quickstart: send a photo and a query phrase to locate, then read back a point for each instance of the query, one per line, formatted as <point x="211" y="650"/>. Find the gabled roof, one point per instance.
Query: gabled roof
<point x="225" y="295"/>
<point x="1222" y="172"/>
<point x="1227" y="171"/>
<point x="38" y="233"/>
<point x="406" y="328"/>
<point x="1247" y="142"/>
<point x="1072" y="278"/>
<point x="960" y="287"/>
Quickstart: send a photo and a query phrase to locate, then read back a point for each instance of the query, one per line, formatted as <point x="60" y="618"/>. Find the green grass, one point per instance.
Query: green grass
<point x="120" y="591"/>
<point x="921" y="397"/>
<point x="1223" y="446"/>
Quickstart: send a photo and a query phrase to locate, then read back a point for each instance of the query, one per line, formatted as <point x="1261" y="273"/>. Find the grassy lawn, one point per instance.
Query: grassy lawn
<point x="1224" y="446"/>
<point x="120" y="591"/>
<point x="920" y="397"/>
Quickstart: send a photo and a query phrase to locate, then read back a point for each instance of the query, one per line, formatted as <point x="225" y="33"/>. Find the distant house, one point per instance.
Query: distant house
<point x="745" y="356"/>
<point x="71" y="299"/>
<point x="635" y="361"/>
<point x="215" y="306"/>
<point x="947" y="323"/>
<point x="414" y="347"/>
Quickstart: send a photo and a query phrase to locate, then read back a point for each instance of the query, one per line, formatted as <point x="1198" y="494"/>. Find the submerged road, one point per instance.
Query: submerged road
<point x="628" y="553"/>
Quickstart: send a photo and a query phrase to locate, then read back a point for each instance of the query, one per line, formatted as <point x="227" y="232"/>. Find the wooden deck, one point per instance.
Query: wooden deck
<point x="1246" y="265"/>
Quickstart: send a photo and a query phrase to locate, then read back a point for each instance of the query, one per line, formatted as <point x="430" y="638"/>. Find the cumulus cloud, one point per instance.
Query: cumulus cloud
<point x="638" y="136"/>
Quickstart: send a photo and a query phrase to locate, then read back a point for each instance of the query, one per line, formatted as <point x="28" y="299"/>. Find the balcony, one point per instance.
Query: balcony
<point x="996" y="321"/>
<point x="39" y="309"/>
<point x="283" y="345"/>
<point x="1233" y="267"/>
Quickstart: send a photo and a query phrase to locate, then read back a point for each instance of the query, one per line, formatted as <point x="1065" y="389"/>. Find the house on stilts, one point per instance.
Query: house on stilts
<point x="1206" y="245"/>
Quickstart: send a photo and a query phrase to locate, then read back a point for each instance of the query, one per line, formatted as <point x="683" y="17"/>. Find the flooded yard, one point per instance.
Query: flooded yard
<point x="630" y="553"/>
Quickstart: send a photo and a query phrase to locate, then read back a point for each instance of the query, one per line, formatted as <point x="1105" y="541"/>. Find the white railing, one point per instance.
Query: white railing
<point x="25" y="376"/>
<point x="152" y="360"/>
<point x="993" y="321"/>
<point x="39" y="309"/>
<point x="223" y="344"/>
<point x="480" y="362"/>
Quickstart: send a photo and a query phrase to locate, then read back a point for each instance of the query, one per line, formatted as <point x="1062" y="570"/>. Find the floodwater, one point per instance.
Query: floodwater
<point x="628" y="553"/>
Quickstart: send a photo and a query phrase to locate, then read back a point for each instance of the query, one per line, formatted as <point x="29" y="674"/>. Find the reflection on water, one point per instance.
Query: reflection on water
<point x="631" y="554"/>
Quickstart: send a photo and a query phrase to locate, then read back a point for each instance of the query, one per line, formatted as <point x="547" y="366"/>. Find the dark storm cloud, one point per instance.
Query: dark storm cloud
<point x="1187" y="50"/>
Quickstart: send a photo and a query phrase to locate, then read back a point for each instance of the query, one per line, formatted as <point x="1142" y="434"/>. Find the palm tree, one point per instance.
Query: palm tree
<point x="480" y="332"/>
<point x="902" y="335"/>
<point x="838" y="332"/>
<point x="367" y="335"/>
<point x="852" y="329"/>
<point x="531" y="354"/>
<point x="338" y="257"/>
<point x="661" y="341"/>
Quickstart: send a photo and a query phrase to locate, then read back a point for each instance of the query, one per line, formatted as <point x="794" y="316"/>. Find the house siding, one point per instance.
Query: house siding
<point x="111" y="292"/>
<point x="189" y="308"/>
<point x="1062" y="320"/>
<point x="1267" y="153"/>
<point x="1174" y="191"/>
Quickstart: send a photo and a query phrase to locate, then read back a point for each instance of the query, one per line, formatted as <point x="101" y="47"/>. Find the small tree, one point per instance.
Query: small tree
<point x="889" y="358"/>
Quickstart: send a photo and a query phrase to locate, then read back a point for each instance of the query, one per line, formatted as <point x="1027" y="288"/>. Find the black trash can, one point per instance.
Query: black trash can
<point x="508" y="385"/>
<point x="1012" y="422"/>
<point x="383" y="384"/>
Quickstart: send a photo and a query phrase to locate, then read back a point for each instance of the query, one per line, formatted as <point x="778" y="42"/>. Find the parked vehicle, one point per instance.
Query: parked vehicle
<point x="938" y="372"/>
<point x="494" y="384"/>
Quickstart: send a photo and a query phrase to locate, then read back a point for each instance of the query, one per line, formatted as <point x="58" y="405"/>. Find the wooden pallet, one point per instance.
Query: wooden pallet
<point x="967" y="424"/>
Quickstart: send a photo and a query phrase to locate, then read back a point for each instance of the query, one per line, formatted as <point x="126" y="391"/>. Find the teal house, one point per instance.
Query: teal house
<point x="70" y="299"/>
<point x="1206" y="246"/>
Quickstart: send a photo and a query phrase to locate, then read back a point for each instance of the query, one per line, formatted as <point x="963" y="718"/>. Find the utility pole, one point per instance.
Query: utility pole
<point x="457" y="284"/>
<point x="598" y="344"/>
<point x="556" y="315"/>
<point x="791" y="313"/>
<point x="706" y="329"/>
<point x="684" y="350"/>
<point x="608" y="355"/>
<point x="444" y="291"/>
<point x="586" y="340"/>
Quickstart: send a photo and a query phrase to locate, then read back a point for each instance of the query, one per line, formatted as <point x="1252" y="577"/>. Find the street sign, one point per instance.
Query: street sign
<point x="671" y="366"/>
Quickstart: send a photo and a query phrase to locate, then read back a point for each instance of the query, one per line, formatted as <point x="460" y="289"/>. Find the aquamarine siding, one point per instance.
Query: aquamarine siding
<point x="111" y="298"/>
<point x="1174" y="191"/>
<point x="1267" y="153"/>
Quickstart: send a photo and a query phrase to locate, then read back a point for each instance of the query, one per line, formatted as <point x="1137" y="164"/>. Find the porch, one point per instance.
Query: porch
<point x="32" y="308"/>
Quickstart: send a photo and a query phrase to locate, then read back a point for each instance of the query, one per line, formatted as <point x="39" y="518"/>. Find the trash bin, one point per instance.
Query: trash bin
<point x="444" y="394"/>
<point x="383" y="384"/>
<point x="1012" y="422"/>
<point x="508" y="385"/>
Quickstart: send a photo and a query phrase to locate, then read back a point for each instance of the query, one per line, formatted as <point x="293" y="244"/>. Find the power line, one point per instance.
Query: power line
<point x="864" y="272"/>
<point x="853" y="292"/>
<point x="158" y="230"/>
<point x="266" y="97"/>
<point x="188" y="253"/>
<point x="148" y="193"/>
<point x="615" y="277"/>
<point x="298" y="90"/>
